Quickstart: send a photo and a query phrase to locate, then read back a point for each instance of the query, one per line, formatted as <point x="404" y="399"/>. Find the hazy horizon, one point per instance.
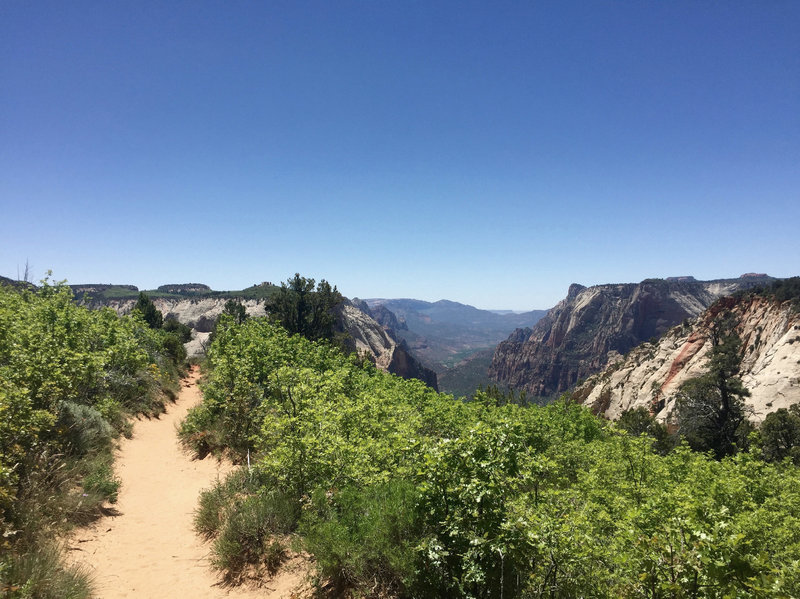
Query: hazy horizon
<point x="53" y="277"/>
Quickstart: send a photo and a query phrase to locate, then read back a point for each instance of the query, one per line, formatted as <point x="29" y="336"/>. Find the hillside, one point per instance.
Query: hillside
<point x="200" y="309"/>
<point x="651" y="375"/>
<point x="447" y="335"/>
<point x="592" y="325"/>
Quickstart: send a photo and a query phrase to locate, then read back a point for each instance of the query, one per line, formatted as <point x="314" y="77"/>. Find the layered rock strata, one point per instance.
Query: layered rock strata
<point x="593" y="325"/>
<point x="652" y="374"/>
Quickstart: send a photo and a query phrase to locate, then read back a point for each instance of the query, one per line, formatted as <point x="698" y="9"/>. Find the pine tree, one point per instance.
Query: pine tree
<point x="152" y="316"/>
<point x="711" y="411"/>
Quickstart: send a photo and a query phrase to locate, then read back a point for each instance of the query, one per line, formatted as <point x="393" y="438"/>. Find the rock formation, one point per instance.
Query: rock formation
<point x="594" y="324"/>
<point x="652" y="374"/>
<point x="382" y="315"/>
<point x="367" y="336"/>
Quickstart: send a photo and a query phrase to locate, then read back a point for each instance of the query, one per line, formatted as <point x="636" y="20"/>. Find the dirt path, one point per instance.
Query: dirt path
<point x="149" y="550"/>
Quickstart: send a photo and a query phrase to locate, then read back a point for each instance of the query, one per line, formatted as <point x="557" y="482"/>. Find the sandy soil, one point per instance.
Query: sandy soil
<point x="149" y="549"/>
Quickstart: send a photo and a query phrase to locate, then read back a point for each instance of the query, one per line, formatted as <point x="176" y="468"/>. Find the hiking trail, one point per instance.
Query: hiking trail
<point x="149" y="548"/>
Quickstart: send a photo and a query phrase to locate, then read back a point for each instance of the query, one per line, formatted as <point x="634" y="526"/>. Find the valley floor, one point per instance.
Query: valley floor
<point x="149" y="548"/>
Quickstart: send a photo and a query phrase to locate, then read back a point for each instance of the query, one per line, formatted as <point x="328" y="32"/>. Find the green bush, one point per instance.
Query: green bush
<point x="251" y="533"/>
<point x="101" y="481"/>
<point x="69" y="379"/>
<point x="406" y="492"/>
<point x="81" y="429"/>
<point x="178" y="329"/>
<point x="365" y="537"/>
<point x="780" y="435"/>
<point x="39" y="573"/>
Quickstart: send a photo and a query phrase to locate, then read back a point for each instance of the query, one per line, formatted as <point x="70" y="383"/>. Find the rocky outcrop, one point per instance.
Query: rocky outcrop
<point x="652" y="374"/>
<point x="96" y="288"/>
<point x="382" y="315"/>
<point x="198" y="313"/>
<point x="594" y="324"/>
<point x="367" y="336"/>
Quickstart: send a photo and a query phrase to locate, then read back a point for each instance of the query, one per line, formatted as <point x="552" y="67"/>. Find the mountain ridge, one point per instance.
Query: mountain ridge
<point x="651" y="375"/>
<point x="591" y="325"/>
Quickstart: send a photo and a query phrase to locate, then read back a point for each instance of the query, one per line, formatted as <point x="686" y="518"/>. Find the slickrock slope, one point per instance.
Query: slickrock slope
<point x="592" y="325"/>
<point x="389" y="354"/>
<point x="652" y="374"/>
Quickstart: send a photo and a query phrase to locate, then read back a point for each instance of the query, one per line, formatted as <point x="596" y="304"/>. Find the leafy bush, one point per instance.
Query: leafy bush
<point x="398" y="490"/>
<point x="81" y="429"/>
<point x="780" y="435"/>
<point x="181" y="331"/>
<point x="365" y="537"/>
<point x="69" y="378"/>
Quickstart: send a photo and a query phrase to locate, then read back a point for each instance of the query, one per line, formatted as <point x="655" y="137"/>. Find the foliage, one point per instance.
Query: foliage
<point x="494" y="395"/>
<point x="711" y="410"/>
<point x="68" y="379"/>
<point x="236" y="310"/>
<point x="150" y="314"/>
<point x="301" y="309"/>
<point x="780" y="435"/>
<point x="181" y="331"/>
<point x="42" y="575"/>
<point x="398" y="490"/>
<point x="640" y="421"/>
<point x="781" y="290"/>
<point x="365" y="537"/>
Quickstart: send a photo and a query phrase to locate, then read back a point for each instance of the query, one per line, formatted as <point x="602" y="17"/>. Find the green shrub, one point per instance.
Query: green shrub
<point x="248" y="523"/>
<point x="365" y="537"/>
<point x="101" y="481"/>
<point x="250" y="533"/>
<point x="38" y="573"/>
<point x="780" y="434"/>
<point x="181" y="331"/>
<point x="82" y="429"/>
<point x="173" y="347"/>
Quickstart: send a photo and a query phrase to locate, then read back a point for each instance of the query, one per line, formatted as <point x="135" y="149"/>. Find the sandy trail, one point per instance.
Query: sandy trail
<point x="150" y="550"/>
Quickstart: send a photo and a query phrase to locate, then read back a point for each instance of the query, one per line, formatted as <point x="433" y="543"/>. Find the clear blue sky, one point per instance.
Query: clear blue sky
<point x="486" y="152"/>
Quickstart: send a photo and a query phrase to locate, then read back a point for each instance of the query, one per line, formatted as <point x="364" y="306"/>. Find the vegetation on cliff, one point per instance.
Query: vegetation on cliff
<point x="398" y="490"/>
<point x="301" y="308"/>
<point x="711" y="411"/>
<point x="69" y="379"/>
<point x="743" y="347"/>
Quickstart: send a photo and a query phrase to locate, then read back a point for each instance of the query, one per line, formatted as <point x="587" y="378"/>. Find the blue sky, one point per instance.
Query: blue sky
<point x="486" y="152"/>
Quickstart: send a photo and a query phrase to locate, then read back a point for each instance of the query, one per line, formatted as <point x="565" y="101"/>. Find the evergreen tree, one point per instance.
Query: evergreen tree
<point x="152" y="316"/>
<point x="711" y="410"/>
<point x="302" y="310"/>
<point x="780" y="435"/>
<point x="235" y="309"/>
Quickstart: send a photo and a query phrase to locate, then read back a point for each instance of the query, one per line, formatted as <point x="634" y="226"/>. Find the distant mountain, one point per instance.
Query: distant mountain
<point x="652" y="373"/>
<point x="446" y="334"/>
<point x="592" y="325"/>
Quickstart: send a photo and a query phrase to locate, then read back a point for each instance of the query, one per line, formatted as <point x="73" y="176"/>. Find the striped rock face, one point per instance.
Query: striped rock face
<point x="651" y="375"/>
